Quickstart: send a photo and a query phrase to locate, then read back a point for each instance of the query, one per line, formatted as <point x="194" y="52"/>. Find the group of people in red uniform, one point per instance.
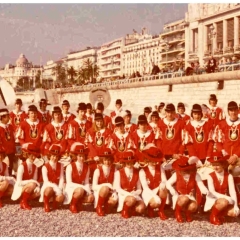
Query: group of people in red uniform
<point x="168" y="158"/>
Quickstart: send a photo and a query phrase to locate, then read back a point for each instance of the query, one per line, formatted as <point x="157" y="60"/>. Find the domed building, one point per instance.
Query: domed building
<point x="22" y="69"/>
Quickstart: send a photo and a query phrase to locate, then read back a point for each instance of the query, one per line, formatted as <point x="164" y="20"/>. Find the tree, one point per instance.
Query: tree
<point x="22" y="82"/>
<point x="38" y="80"/>
<point x="72" y="73"/>
<point x="59" y="72"/>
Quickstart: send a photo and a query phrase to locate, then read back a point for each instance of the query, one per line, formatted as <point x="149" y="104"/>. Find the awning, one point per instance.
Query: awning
<point x="181" y="53"/>
<point x="180" y="43"/>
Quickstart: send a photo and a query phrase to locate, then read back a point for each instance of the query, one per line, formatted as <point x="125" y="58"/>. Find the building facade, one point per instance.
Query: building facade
<point x="109" y="60"/>
<point x="173" y="43"/>
<point x="140" y="52"/>
<point x="23" y="69"/>
<point x="212" y="29"/>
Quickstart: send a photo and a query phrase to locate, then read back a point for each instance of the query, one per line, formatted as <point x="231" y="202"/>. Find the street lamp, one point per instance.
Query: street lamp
<point x="211" y="36"/>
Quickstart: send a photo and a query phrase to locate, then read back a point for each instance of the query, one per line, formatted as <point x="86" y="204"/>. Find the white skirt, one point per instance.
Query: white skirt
<point x="69" y="190"/>
<point x="17" y="191"/>
<point x="148" y="194"/>
<point x="211" y="200"/>
<point x="175" y="198"/>
<point x="49" y="184"/>
<point x="121" y="198"/>
<point x="96" y="192"/>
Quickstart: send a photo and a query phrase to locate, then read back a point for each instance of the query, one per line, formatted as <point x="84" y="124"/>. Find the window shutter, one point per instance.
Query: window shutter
<point x="230" y="29"/>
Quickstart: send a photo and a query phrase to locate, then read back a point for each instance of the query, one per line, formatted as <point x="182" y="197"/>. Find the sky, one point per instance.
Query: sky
<point x="46" y="32"/>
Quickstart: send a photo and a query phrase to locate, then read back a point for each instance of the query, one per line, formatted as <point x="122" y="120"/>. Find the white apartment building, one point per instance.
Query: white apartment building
<point x="140" y="52"/>
<point x="173" y="42"/>
<point x="212" y="29"/>
<point x="76" y="59"/>
<point x="23" y="68"/>
<point x="109" y="60"/>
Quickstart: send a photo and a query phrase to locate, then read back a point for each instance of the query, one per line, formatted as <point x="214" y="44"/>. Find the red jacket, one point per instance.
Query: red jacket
<point x="26" y="175"/>
<point x="76" y="177"/>
<point x="103" y="179"/>
<point x="186" y="188"/>
<point x="53" y="176"/>
<point x="7" y="139"/>
<point x="155" y="180"/>
<point x="127" y="185"/>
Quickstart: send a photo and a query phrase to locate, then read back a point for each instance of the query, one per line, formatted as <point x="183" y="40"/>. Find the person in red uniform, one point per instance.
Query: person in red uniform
<point x="107" y="119"/>
<point x="53" y="179"/>
<point x="7" y="139"/>
<point x="215" y="113"/>
<point x="89" y="112"/>
<point x="78" y="127"/>
<point x="181" y="112"/>
<point x="147" y="112"/>
<point x="117" y="112"/>
<point x="226" y="134"/>
<point x="221" y="185"/>
<point x="77" y="179"/>
<point x="120" y="140"/>
<point x="104" y="194"/>
<point x="6" y="182"/>
<point x="55" y="132"/>
<point x="153" y="180"/>
<point x="31" y="130"/>
<point x="156" y="130"/>
<point x="161" y="110"/>
<point x="17" y="115"/>
<point x="67" y="116"/>
<point x="128" y="187"/>
<point x="197" y="135"/>
<point x="128" y="125"/>
<point x="185" y="180"/>
<point x="44" y="115"/>
<point x="97" y="138"/>
<point x="142" y="136"/>
<point x="27" y="187"/>
<point x="171" y="132"/>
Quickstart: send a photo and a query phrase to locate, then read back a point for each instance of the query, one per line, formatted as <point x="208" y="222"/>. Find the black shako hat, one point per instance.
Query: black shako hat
<point x="232" y="105"/>
<point x="170" y="108"/>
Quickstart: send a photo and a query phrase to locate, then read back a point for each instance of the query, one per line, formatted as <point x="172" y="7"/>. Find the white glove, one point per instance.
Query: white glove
<point x="162" y="186"/>
<point x="37" y="190"/>
<point x="230" y="200"/>
<point x="193" y="160"/>
<point x="174" y="193"/>
<point x="224" y="152"/>
<point x="115" y="196"/>
<point x="96" y="158"/>
<point x="38" y="184"/>
<point x="209" y="194"/>
<point x="236" y="209"/>
<point x="136" y="165"/>
<point x="136" y="193"/>
<point x="199" y="164"/>
<point x="10" y="178"/>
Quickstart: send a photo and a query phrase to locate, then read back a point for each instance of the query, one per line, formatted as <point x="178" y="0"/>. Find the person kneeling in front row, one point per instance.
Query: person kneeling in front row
<point x="6" y="182"/>
<point x="27" y="185"/>
<point x="128" y="186"/>
<point x="104" y="194"/>
<point x="187" y="180"/>
<point x="77" y="179"/>
<point x="153" y="180"/>
<point x="53" y="179"/>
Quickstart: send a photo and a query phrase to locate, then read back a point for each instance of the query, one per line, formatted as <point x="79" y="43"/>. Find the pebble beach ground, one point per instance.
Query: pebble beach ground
<point x="16" y="222"/>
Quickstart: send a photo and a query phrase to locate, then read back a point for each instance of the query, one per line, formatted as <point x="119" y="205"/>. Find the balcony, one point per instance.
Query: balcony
<point x="172" y="30"/>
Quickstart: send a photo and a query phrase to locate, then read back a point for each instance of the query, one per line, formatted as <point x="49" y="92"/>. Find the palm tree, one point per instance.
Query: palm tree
<point x="59" y="72"/>
<point x="72" y="73"/>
